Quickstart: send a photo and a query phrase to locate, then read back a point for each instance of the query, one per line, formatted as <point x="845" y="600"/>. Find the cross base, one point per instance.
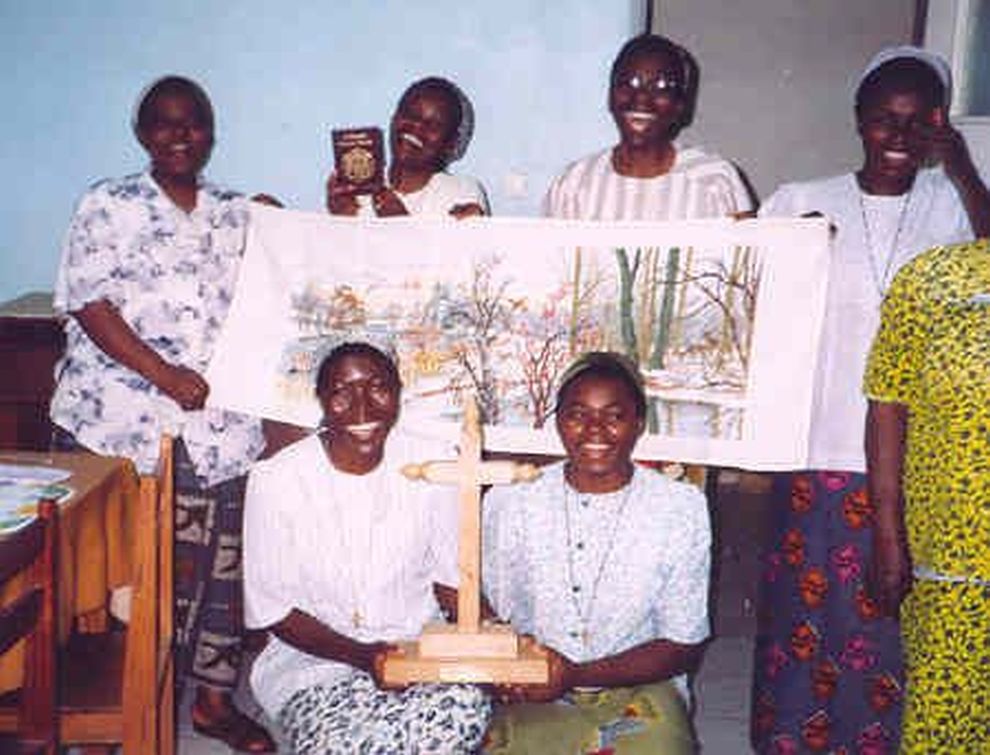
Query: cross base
<point x="492" y="655"/>
<point x="450" y="641"/>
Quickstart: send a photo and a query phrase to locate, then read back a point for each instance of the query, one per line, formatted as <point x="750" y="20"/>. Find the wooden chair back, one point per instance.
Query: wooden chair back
<point x="32" y="551"/>
<point x="120" y="688"/>
<point x="149" y="668"/>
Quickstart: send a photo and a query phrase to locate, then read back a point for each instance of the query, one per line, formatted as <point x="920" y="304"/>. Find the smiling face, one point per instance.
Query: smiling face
<point x="359" y="393"/>
<point x="175" y="127"/>
<point x="892" y="126"/>
<point x="598" y="423"/>
<point x="424" y="127"/>
<point x="648" y="97"/>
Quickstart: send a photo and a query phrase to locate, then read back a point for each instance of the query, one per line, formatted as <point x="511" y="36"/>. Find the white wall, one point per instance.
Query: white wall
<point x="777" y="78"/>
<point x="776" y="87"/>
<point x="281" y="75"/>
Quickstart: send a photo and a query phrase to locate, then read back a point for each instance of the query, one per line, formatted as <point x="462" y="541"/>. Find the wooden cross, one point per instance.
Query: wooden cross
<point x="470" y="651"/>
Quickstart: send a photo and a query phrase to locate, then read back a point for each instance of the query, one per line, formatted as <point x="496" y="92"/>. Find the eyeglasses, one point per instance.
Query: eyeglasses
<point x="663" y="84"/>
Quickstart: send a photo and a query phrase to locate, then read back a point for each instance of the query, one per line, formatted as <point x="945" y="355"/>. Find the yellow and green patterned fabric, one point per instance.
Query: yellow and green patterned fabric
<point x="932" y="354"/>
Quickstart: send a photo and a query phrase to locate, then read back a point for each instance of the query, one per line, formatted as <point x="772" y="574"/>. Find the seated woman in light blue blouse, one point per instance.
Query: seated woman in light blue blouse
<point x="606" y="564"/>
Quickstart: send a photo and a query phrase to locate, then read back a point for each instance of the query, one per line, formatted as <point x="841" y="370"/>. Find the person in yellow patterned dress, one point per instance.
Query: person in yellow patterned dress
<point x="928" y="456"/>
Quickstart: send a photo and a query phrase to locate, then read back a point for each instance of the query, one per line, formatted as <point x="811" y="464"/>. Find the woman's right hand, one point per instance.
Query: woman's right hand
<point x="387" y="203"/>
<point x="377" y="653"/>
<point x="340" y="198"/>
<point x="184" y="386"/>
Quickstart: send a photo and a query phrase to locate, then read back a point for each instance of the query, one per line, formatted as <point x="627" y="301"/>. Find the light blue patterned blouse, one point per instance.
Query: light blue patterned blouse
<point x="171" y="276"/>
<point x="595" y="575"/>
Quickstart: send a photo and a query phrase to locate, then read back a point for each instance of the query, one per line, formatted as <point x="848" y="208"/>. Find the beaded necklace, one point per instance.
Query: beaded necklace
<point x="584" y="617"/>
<point x="881" y="280"/>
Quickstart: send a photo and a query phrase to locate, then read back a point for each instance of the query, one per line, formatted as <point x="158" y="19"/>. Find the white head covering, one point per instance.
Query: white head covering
<point x="465" y="129"/>
<point x="933" y="60"/>
<point x="380" y="339"/>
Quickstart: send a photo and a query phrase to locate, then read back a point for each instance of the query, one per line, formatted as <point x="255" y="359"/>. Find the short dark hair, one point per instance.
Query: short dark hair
<point x="901" y="75"/>
<point x="172" y="85"/>
<point x="354" y="348"/>
<point x="609" y="365"/>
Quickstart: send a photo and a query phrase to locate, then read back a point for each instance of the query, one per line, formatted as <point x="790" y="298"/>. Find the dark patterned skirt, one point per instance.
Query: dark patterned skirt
<point x="828" y="674"/>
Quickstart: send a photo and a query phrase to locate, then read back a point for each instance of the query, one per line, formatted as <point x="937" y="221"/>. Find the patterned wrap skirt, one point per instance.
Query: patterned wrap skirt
<point x="828" y="670"/>
<point x="354" y="716"/>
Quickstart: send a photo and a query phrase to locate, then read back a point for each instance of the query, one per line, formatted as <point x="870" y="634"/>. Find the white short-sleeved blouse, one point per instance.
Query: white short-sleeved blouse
<point x="930" y="215"/>
<point x="437" y="198"/>
<point x="360" y="553"/>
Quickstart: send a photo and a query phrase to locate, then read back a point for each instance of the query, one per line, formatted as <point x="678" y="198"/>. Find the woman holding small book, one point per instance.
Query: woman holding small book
<point x="430" y="129"/>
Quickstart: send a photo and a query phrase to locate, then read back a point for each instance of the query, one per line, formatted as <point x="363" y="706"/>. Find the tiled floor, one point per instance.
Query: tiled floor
<point x="722" y="687"/>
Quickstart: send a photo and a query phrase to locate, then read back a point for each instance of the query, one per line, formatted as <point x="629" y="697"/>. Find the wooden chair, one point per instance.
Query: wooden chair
<point x="118" y="687"/>
<point x="32" y="551"/>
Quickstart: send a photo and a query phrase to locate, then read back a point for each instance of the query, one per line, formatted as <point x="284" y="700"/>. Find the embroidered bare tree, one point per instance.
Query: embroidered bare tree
<point x="481" y="317"/>
<point x="731" y="290"/>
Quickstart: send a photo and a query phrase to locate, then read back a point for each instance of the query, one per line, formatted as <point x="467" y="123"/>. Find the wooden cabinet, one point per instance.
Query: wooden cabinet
<point x="31" y="341"/>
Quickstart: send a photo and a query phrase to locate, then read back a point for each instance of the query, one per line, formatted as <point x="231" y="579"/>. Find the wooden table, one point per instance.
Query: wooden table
<point x="94" y="527"/>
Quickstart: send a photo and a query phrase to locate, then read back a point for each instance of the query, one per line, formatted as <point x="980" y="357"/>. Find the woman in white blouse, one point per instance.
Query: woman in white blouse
<point x="342" y="556"/>
<point x="828" y="668"/>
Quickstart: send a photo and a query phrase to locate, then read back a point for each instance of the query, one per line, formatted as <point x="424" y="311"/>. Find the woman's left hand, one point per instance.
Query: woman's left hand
<point x="558" y="682"/>
<point x="184" y="386"/>
<point x="889" y="578"/>
<point x="467" y="210"/>
<point x="387" y="203"/>
<point x="267" y="199"/>
<point x="947" y="146"/>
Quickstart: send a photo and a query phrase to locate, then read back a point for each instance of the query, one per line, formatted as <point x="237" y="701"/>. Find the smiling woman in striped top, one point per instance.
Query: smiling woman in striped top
<point x="648" y="175"/>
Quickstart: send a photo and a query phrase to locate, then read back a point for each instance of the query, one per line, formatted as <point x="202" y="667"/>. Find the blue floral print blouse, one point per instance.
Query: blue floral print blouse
<point x="171" y="276"/>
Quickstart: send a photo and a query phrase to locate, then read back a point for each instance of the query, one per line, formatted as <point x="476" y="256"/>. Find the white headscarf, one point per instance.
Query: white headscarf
<point x="933" y="60"/>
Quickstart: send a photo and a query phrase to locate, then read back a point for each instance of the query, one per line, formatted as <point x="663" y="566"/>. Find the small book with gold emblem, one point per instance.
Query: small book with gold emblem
<point x="359" y="157"/>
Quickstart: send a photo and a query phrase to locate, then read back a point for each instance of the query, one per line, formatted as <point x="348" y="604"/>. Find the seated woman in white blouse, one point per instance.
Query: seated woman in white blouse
<point x="342" y="556"/>
<point x="606" y="564"/>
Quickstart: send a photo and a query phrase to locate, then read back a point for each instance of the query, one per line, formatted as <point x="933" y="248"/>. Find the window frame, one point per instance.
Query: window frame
<point x="945" y="33"/>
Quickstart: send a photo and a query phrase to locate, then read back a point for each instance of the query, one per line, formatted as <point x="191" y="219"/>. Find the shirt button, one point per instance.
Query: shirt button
<point x="573" y="634"/>
<point x="576" y="588"/>
<point x="586" y="502"/>
<point x="580" y="546"/>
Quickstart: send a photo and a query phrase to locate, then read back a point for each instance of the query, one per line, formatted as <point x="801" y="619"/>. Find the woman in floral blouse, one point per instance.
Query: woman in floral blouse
<point x="147" y="274"/>
<point x="606" y="564"/>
